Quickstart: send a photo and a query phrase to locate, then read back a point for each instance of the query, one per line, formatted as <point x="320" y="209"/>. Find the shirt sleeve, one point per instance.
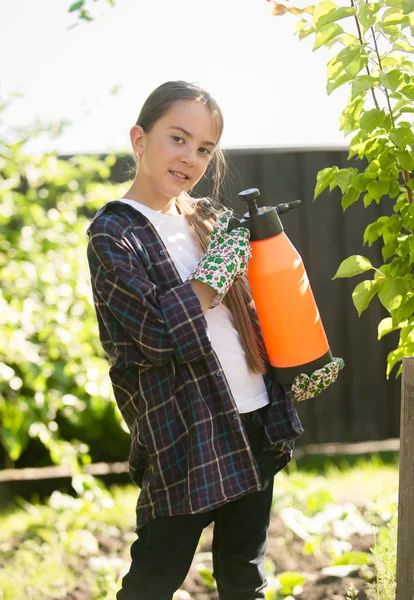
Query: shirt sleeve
<point x="165" y="326"/>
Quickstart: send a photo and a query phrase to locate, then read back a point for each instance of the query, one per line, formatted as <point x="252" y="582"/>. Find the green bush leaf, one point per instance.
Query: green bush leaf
<point x="327" y="33"/>
<point x="408" y="90"/>
<point x="367" y="13"/>
<point x="362" y="84"/>
<point x="349" y="197"/>
<point x="322" y="9"/>
<point x="391" y="80"/>
<point x="406" y="311"/>
<point x="364" y="293"/>
<point x="337" y="82"/>
<point x="393" y="293"/>
<point x="371" y="119"/>
<point x="343" y="178"/>
<point x="339" y="62"/>
<point x="402" y="136"/>
<point x="76" y="5"/>
<point x="334" y="15"/>
<point x="323" y="179"/>
<point x="289" y="580"/>
<point x="353" y="265"/>
<point x="408" y="7"/>
<point x="406" y="160"/>
<point x="354" y="558"/>
<point x="385" y="327"/>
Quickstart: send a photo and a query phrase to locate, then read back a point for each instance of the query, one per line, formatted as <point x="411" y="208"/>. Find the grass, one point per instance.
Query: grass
<point x="44" y="547"/>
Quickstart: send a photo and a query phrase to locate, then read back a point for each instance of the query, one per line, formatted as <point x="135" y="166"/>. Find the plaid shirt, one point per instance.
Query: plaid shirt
<point x="189" y="450"/>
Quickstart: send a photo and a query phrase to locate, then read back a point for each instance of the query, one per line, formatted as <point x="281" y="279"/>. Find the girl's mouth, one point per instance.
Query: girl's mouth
<point x="179" y="176"/>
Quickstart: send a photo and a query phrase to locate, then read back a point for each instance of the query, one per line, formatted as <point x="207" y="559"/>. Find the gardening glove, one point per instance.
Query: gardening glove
<point x="227" y="257"/>
<point x="305" y="387"/>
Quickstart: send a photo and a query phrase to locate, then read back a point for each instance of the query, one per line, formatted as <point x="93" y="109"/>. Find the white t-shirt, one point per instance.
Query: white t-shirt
<point x="249" y="390"/>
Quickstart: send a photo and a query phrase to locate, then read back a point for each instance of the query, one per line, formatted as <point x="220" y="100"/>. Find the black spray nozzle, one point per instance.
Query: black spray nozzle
<point x="287" y="206"/>
<point x="262" y="223"/>
<point x="250" y="196"/>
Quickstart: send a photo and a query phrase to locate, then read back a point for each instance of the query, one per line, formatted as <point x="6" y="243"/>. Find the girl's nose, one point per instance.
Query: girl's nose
<point x="189" y="157"/>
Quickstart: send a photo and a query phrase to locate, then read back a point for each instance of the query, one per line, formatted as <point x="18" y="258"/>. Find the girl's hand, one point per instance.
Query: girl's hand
<point x="227" y="257"/>
<point x="305" y="387"/>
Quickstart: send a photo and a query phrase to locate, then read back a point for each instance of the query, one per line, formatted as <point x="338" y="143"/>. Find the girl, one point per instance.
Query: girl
<point x="176" y="319"/>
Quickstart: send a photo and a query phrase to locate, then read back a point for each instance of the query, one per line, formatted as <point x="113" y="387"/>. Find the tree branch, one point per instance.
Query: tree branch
<point x="361" y="39"/>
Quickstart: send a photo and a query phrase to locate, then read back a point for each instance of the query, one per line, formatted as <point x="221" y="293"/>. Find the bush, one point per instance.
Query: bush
<point x="55" y="392"/>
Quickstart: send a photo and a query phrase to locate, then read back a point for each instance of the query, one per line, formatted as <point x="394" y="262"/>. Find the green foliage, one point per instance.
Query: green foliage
<point x="83" y="13"/>
<point x="384" y="552"/>
<point x="48" y="550"/>
<point x="375" y="61"/>
<point x="54" y="383"/>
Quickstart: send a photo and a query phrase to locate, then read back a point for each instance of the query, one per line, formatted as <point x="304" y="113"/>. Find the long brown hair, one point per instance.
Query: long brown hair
<point x="201" y="215"/>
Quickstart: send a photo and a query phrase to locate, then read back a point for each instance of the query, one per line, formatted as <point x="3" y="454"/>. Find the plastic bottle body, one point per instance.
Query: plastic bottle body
<point x="289" y="318"/>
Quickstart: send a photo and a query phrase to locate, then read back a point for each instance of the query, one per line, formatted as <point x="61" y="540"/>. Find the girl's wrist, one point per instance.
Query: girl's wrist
<point x="204" y="292"/>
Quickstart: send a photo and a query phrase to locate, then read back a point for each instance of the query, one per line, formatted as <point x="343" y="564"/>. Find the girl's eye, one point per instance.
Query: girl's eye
<point x="177" y="138"/>
<point x="204" y="151"/>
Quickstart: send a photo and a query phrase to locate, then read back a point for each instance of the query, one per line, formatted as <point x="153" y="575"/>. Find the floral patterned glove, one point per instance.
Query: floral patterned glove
<point x="227" y="257"/>
<point x="305" y="387"/>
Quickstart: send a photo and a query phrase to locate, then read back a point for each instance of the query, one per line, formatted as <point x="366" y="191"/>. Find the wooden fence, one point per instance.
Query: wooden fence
<point x="362" y="405"/>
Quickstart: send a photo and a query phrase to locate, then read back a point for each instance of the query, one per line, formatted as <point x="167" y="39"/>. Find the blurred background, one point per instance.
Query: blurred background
<point x="70" y="91"/>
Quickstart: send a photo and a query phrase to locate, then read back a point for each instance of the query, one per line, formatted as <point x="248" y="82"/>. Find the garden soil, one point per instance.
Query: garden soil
<point x="284" y="549"/>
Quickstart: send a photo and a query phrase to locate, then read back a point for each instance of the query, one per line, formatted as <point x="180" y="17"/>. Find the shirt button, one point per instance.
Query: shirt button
<point x="162" y="252"/>
<point x="234" y="416"/>
<point x="218" y="374"/>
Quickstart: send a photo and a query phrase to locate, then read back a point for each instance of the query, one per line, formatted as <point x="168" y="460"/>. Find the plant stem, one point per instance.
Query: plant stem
<point x="406" y="178"/>
<point x="361" y="39"/>
<point x="380" y="66"/>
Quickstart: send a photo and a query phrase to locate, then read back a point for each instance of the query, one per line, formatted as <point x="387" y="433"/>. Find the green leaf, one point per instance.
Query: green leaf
<point x="343" y="178"/>
<point x="402" y="136"/>
<point x="346" y="56"/>
<point x="403" y="46"/>
<point x="305" y="32"/>
<point x="300" y="24"/>
<point x="289" y="580"/>
<point x="391" y="80"/>
<point x="364" y="293"/>
<point x="385" y="327"/>
<point x="354" y="558"/>
<point x="371" y="233"/>
<point x="377" y="189"/>
<point x="406" y="311"/>
<point x="371" y="119"/>
<point x="389" y="249"/>
<point x="406" y="160"/>
<point x="350" y="197"/>
<point x="367" y="12"/>
<point x="327" y="33"/>
<point x="408" y="90"/>
<point x="334" y="15"/>
<point x="76" y="6"/>
<point x="350" y="115"/>
<point x="393" y="293"/>
<point x="323" y="179"/>
<point x="393" y="16"/>
<point x="353" y="265"/>
<point x="362" y="84"/>
<point x="408" y="7"/>
<point x="337" y="82"/>
<point x="322" y="9"/>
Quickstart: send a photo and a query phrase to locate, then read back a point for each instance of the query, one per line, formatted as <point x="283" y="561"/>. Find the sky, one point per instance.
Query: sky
<point x="270" y="85"/>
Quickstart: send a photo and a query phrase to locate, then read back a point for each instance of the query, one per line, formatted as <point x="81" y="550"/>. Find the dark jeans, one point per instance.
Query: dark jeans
<point x="164" y="550"/>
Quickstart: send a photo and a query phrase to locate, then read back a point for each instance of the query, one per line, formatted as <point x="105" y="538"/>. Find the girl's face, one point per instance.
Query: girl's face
<point x="175" y="153"/>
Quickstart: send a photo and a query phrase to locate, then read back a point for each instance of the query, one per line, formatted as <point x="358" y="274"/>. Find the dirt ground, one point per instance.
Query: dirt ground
<point x="285" y="552"/>
<point x="289" y="557"/>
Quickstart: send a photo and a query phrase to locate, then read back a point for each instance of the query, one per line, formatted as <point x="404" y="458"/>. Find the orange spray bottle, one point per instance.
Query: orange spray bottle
<point x="292" y="329"/>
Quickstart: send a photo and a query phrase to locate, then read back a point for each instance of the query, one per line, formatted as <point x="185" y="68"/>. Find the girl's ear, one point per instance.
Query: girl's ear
<point x="137" y="139"/>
